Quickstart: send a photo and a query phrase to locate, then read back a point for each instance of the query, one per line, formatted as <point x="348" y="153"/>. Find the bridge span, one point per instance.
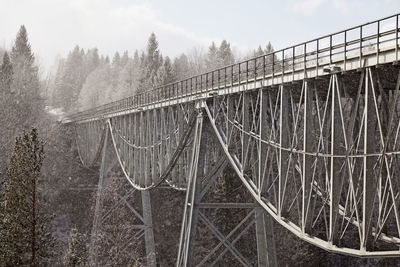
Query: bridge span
<point x="312" y="131"/>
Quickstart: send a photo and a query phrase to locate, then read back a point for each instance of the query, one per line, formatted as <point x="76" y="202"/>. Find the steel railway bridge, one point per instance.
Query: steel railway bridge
<point x="312" y="131"/>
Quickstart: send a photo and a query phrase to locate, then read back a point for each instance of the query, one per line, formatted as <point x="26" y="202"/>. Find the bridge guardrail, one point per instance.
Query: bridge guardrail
<point x="353" y="42"/>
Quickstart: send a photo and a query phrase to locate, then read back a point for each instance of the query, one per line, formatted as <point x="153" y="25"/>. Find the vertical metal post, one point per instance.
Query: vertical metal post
<point x="265" y="237"/>
<point x="264" y="67"/>
<point x="335" y="177"/>
<point x="397" y="37"/>
<point x="246" y="129"/>
<point x="148" y="234"/>
<point x="377" y="43"/>
<point x="345" y="50"/>
<point x="368" y="162"/>
<point x="247" y="72"/>
<point x="284" y="144"/>
<point x="264" y="224"/>
<point x="361" y="44"/>
<point x="190" y="214"/>
<point x="293" y="61"/>
<point x="317" y="65"/>
<point x="307" y="159"/>
<point x="99" y="202"/>
<point x="330" y="49"/>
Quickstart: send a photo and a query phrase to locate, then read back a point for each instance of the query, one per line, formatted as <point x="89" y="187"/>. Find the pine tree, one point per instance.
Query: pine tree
<point x="269" y="48"/>
<point x="212" y="57"/>
<point x="25" y="84"/>
<point x="6" y="75"/>
<point x="24" y="229"/>
<point x="181" y="67"/>
<point x="73" y="76"/>
<point x="116" y="60"/>
<point x="26" y="79"/>
<point x="91" y="60"/>
<point x="77" y="252"/>
<point x="258" y="52"/>
<point x="225" y="56"/>
<point x="149" y="65"/>
<point x="6" y="78"/>
<point x="125" y="58"/>
<point x="270" y="59"/>
<point x="166" y="73"/>
<point x="153" y="53"/>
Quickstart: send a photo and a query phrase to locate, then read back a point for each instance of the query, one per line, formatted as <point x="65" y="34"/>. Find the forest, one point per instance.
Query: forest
<point x="47" y="197"/>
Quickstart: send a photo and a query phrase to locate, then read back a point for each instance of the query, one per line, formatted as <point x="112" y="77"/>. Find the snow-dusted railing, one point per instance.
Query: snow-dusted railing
<point x="353" y="43"/>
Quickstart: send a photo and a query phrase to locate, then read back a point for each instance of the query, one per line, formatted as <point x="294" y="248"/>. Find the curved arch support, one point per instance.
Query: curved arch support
<point x="319" y="159"/>
<point x="89" y="138"/>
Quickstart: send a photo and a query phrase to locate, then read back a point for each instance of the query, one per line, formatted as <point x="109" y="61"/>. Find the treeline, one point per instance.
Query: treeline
<point x="85" y="79"/>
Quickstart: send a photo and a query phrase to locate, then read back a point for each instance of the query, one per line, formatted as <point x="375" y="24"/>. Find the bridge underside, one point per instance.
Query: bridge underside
<point x="312" y="135"/>
<point x="319" y="156"/>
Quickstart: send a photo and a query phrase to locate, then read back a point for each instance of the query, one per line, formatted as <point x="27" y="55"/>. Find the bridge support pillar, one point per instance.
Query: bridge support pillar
<point x="148" y="234"/>
<point x="191" y="210"/>
<point x="266" y="251"/>
<point x="202" y="176"/>
<point x="106" y="214"/>
<point x="99" y="201"/>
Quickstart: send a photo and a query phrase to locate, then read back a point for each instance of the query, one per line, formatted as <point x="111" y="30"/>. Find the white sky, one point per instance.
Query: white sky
<point x="56" y="26"/>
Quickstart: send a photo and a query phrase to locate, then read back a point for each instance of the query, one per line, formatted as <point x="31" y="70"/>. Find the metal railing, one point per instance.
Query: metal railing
<point x="355" y="42"/>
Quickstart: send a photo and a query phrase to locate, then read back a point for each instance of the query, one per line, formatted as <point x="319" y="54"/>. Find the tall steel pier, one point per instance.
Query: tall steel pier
<point x="312" y="131"/>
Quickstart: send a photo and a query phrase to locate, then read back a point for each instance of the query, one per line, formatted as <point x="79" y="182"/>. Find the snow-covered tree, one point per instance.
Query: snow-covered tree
<point x="76" y="255"/>
<point x="25" y="236"/>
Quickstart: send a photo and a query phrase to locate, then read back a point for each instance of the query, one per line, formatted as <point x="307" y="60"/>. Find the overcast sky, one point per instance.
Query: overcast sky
<point x="56" y="26"/>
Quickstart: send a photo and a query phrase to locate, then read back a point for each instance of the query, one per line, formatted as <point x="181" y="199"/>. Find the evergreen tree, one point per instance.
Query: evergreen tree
<point x="25" y="84"/>
<point x="73" y="77"/>
<point x="24" y="228"/>
<point x="270" y="58"/>
<point x="26" y="80"/>
<point x="181" y="67"/>
<point x="125" y="58"/>
<point x="212" y="57"/>
<point x="153" y="61"/>
<point x="76" y="255"/>
<point x="91" y="60"/>
<point x="149" y="64"/>
<point x="269" y="48"/>
<point x="166" y="73"/>
<point x="258" y="52"/>
<point x="116" y="60"/>
<point x="6" y="75"/>
<point x="7" y="116"/>
<point x="129" y="79"/>
<point x="58" y="84"/>
<point x="225" y="56"/>
<point x="94" y="90"/>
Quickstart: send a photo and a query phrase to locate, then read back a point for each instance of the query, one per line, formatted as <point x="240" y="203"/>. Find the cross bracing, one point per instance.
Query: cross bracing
<point x="312" y="131"/>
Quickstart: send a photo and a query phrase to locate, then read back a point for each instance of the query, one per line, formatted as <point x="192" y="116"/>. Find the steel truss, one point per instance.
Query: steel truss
<point x="320" y="156"/>
<point x="138" y="228"/>
<point x="202" y="176"/>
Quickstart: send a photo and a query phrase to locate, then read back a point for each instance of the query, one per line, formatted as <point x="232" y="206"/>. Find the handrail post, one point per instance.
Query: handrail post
<point x="219" y="78"/>
<point x="397" y="37"/>
<point x="360" y="54"/>
<point x="330" y="49"/>
<point x="345" y="50"/>
<point x="377" y="43"/>
<point x="264" y="67"/>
